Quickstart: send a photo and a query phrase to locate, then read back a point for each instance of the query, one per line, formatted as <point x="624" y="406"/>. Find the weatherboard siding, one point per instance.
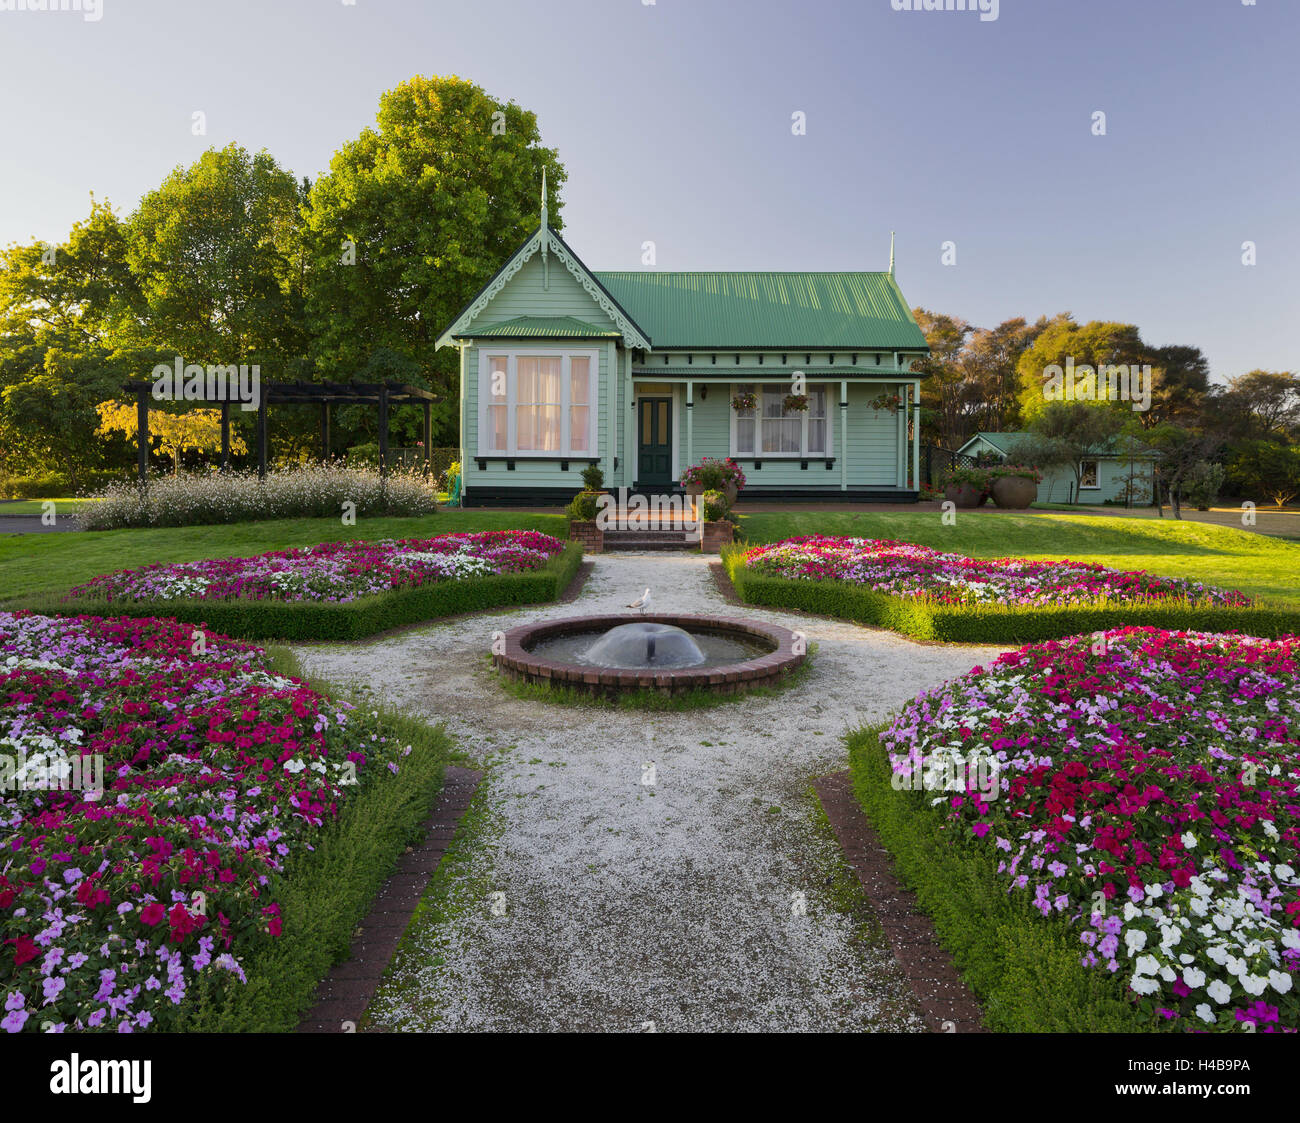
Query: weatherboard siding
<point x="527" y="295"/>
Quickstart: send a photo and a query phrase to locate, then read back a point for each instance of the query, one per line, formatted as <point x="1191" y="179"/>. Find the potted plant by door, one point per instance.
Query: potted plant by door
<point x="966" y="487"/>
<point x="711" y="474"/>
<point x="1015" y="486"/>
<point x="718" y="523"/>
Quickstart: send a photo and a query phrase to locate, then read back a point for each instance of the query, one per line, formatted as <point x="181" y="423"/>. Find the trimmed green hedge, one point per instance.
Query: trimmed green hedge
<point x="310" y="620"/>
<point x="992" y="623"/>
<point x="1023" y="967"/>
<point x="325" y="893"/>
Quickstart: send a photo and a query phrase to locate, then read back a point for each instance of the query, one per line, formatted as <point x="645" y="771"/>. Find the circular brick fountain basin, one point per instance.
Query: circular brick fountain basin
<point x="780" y="652"/>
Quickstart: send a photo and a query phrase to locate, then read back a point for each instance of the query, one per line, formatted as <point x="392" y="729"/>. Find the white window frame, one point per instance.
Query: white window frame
<point x="1096" y="474"/>
<point x="512" y="356"/>
<point x="832" y="402"/>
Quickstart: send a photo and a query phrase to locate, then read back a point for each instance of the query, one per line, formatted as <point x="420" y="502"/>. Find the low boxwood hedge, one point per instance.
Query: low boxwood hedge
<point x="993" y="623"/>
<point x="1025" y="969"/>
<point x="325" y="892"/>
<point x="311" y="620"/>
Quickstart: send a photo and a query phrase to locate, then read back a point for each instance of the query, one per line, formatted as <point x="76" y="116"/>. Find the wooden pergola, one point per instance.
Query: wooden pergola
<point x="323" y="394"/>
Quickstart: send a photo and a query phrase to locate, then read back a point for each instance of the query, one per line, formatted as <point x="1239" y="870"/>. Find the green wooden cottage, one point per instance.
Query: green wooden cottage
<point x="562" y="367"/>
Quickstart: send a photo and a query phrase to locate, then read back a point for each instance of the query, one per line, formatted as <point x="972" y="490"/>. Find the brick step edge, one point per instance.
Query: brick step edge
<point x="344" y="994"/>
<point x="947" y="1005"/>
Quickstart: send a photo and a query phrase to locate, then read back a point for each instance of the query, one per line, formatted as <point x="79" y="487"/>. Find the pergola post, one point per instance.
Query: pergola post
<point x="428" y="438"/>
<point x="261" y="438"/>
<point x="383" y="429"/>
<point x="142" y="434"/>
<point x="325" y="432"/>
<point x="225" y="436"/>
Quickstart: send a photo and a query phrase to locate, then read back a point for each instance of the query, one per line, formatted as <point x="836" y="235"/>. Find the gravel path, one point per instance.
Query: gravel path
<point x="593" y="900"/>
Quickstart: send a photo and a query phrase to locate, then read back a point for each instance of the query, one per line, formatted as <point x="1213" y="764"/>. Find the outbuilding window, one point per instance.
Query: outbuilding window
<point x="1088" y="475"/>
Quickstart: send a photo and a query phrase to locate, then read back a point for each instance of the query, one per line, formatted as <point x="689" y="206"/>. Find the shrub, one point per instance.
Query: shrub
<point x="1021" y="471"/>
<point x="51" y="485"/>
<point x="714" y="506"/>
<point x="583" y="506"/>
<point x="714" y="475"/>
<point x="962" y="476"/>
<point x="310" y="491"/>
<point x="593" y="479"/>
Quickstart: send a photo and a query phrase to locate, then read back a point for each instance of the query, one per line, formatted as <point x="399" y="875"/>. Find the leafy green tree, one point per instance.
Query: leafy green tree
<point x="63" y="311"/>
<point x="1267" y="468"/>
<point x="217" y="252"/>
<point x="945" y="394"/>
<point x="1095" y="344"/>
<point x="413" y="217"/>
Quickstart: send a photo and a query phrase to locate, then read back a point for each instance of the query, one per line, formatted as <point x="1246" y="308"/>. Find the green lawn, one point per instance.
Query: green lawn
<point x="1238" y="559"/>
<point x="37" y="507"/>
<point x="53" y="563"/>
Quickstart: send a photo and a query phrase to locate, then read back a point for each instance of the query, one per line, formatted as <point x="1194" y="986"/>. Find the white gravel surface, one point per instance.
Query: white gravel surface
<point x="628" y="905"/>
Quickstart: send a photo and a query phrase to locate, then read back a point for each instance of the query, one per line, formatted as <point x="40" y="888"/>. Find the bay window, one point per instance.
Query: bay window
<point x="538" y="403"/>
<point x="772" y="430"/>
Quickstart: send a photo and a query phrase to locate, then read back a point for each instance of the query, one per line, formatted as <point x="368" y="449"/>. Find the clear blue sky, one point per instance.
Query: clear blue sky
<point x="673" y="119"/>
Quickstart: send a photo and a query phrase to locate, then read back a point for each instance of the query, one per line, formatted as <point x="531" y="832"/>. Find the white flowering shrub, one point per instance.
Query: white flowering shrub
<point x="310" y="491"/>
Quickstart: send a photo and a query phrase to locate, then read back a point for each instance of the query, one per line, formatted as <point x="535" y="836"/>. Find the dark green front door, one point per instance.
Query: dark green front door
<point x="654" y="441"/>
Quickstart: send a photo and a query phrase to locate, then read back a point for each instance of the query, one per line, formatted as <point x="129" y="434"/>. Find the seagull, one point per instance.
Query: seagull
<point x="642" y="603"/>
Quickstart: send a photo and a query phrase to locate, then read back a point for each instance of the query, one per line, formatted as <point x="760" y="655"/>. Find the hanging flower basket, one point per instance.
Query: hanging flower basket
<point x="742" y="402"/>
<point x="796" y="403"/>
<point x="891" y="402"/>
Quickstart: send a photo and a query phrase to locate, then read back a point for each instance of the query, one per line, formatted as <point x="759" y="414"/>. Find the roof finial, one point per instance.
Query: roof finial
<point x="545" y="236"/>
<point x="891" y="253"/>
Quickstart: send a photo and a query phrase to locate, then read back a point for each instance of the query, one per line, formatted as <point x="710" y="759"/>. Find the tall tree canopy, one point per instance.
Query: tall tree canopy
<point x="217" y="253"/>
<point x="414" y="216"/>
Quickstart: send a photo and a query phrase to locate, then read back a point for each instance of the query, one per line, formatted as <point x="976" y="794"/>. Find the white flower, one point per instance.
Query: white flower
<point x="1284" y="872"/>
<point x="1189" y="840"/>
<point x="1219" y="991"/>
<point x="1194" y="977"/>
<point x="1253" y="984"/>
<point x="1146" y="965"/>
<point x="1204" y="1012"/>
<point x="1280" y="981"/>
<point x="1142" y="985"/>
<point x="294" y="766"/>
<point x="1135" y="940"/>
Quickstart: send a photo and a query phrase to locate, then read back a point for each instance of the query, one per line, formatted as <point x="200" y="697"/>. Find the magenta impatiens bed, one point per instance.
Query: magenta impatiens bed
<point x="1144" y="787"/>
<point x="907" y="570"/>
<point x="116" y="900"/>
<point x="332" y="572"/>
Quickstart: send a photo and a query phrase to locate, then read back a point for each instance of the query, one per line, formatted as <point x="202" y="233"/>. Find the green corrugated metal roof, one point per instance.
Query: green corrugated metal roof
<point x="793" y="310"/>
<point x="538" y="327"/>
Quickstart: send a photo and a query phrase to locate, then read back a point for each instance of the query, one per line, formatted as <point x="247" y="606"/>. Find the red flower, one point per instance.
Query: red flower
<point x="24" y="949"/>
<point x="152" y="914"/>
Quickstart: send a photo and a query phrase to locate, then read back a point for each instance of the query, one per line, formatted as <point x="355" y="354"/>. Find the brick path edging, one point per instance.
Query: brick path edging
<point x="946" y="1003"/>
<point x="348" y="989"/>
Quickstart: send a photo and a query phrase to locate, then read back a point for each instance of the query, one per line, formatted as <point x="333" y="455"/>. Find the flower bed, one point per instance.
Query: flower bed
<point x="332" y="572"/>
<point x="905" y="570"/>
<point x="121" y="901"/>
<point x="1146" y="793"/>
<point x="339" y="590"/>
<point x="929" y="594"/>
